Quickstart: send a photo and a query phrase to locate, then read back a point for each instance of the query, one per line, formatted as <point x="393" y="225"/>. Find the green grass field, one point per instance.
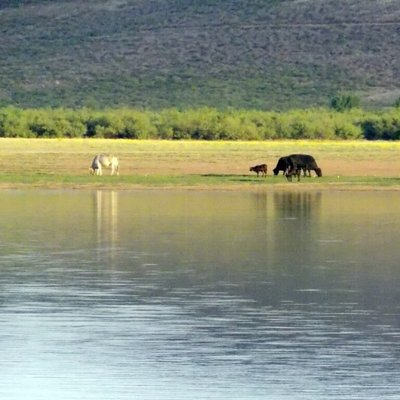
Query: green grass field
<point x="64" y="163"/>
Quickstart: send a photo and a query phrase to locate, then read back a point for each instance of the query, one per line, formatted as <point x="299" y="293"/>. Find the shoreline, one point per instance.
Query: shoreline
<point x="282" y="187"/>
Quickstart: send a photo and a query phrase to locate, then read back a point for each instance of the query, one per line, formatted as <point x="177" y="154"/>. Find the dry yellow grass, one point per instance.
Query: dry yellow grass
<point x="72" y="157"/>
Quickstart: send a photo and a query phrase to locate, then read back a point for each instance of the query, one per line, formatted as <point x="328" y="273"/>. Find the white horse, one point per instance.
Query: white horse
<point x="101" y="161"/>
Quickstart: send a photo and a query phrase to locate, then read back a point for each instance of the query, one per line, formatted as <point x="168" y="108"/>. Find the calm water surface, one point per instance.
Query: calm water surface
<point x="197" y="295"/>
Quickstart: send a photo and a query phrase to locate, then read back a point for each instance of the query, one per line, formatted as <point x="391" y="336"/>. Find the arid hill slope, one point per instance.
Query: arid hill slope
<point x="191" y="53"/>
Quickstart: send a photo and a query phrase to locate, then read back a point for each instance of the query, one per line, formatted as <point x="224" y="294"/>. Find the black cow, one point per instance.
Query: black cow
<point x="292" y="171"/>
<point x="283" y="165"/>
<point x="304" y="162"/>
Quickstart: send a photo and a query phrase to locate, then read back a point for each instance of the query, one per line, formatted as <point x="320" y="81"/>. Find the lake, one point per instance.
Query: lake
<point x="199" y="295"/>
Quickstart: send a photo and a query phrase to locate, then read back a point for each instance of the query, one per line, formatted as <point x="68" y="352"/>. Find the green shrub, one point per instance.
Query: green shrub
<point x="344" y="102"/>
<point x="382" y="127"/>
<point x="200" y="124"/>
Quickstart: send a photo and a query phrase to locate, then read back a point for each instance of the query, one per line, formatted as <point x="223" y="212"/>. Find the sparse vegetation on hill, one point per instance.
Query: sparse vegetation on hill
<point x="257" y="54"/>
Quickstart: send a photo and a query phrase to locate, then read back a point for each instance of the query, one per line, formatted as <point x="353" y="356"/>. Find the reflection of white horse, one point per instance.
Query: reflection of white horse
<point x="101" y="161"/>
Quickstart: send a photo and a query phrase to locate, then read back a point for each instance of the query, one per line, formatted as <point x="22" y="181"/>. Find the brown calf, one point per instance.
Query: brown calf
<point x="260" y="168"/>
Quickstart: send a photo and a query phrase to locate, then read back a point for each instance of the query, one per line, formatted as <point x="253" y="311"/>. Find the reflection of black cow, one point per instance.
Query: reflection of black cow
<point x="304" y="162"/>
<point x="260" y="168"/>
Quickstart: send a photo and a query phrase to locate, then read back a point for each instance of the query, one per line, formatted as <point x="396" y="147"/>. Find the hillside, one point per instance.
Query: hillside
<point x="189" y="53"/>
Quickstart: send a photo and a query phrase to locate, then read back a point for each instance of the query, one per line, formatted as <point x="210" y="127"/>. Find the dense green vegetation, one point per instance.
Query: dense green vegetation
<point x="202" y="123"/>
<point x="156" y="54"/>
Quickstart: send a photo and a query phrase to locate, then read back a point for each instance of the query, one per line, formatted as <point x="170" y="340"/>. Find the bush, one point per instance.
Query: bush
<point x="200" y="124"/>
<point x="344" y="102"/>
<point x="383" y="127"/>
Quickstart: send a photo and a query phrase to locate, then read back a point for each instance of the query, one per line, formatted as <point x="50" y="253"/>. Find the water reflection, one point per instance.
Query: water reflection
<point x="304" y="205"/>
<point x="176" y="295"/>
<point x="106" y="221"/>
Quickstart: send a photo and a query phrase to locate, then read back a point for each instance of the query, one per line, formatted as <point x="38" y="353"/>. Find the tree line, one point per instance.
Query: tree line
<point x="202" y="124"/>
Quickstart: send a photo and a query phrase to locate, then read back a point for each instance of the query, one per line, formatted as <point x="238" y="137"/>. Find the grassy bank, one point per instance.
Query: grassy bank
<point x="64" y="163"/>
